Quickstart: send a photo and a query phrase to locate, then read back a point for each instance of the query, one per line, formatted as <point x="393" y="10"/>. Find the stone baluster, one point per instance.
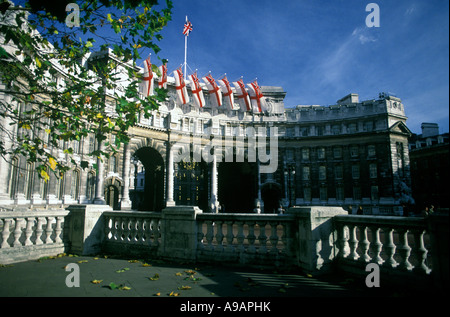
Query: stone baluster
<point x="39" y="230"/>
<point x="156" y="231"/>
<point x="48" y="230"/>
<point x="353" y="243"/>
<point x="200" y="236"/>
<point x="251" y="237"/>
<point x="389" y="247"/>
<point x="209" y="235"/>
<point x="404" y="249"/>
<point x="6" y="233"/>
<point x="342" y="241"/>
<point x="140" y="231"/>
<point x="114" y="229"/>
<point x="29" y="231"/>
<point x="133" y="230"/>
<point x="219" y="236"/>
<point x="376" y="245"/>
<point x="365" y="245"/>
<point x="229" y="236"/>
<point x="274" y="238"/>
<point x="120" y="229"/>
<point x="58" y="229"/>
<point x="17" y="232"/>
<point x="240" y="236"/>
<point x="262" y="238"/>
<point x="420" y="252"/>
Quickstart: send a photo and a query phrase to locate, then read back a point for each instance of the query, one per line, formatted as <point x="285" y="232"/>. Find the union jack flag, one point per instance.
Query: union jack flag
<point x="187" y="28"/>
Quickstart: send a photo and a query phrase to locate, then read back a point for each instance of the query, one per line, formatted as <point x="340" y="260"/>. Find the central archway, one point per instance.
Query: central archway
<point x="153" y="196"/>
<point x="237" y="186"/>
<point x="271" y="196"/>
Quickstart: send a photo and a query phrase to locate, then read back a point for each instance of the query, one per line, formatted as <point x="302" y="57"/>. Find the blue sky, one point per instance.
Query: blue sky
<point x="320" y="51"/>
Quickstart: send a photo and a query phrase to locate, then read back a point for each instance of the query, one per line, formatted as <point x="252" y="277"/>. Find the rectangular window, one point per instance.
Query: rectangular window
<point x="337" y="152"/>
<point x="321" y="153"/>
<point x="338" y="172"/>
<point x="323" y="193"/>
<point x="354" y="151"/>
<point x="305" y="154"/>
<point x="306" y="173"/>
<point x="374" y="192"/>
<point x="307" y="193"/>
<point x="373" y="170"/>
<point x="355" y="171"/>
<point x="322" y="173"/>
<point x="357" y="193"/>
<point x="371" y="150"/>
<point x="339" y="193"/>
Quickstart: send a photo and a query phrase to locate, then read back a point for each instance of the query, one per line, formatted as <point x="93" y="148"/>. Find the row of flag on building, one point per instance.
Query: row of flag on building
<point x="250" y="97"/>
<point x="220" y="91"/>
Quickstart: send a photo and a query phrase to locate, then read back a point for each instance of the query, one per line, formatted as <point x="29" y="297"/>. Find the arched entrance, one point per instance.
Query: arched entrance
<point x="152" y="198"/>
<point x="112" y="192"/>
<point x="271" y="196"/>
<point x="191" y="184"/>
<point x="237" y="186"/>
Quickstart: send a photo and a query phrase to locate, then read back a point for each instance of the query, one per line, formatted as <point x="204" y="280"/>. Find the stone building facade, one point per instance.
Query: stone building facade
<point x="349" y="154"/>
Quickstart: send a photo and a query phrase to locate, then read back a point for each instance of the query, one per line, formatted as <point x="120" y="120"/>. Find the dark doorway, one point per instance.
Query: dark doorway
<point x="271" y="196"/>
<point x="112" y="196"/>
<point x="153" y="196"/>
<point x="191" y="184"/>
<point x="237" y="186"/>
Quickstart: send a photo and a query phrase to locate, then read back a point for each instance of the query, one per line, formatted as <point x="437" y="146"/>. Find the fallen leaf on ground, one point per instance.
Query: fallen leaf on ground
<point x="158" y="294"/>
<point x="96" y="281"/>
<point x="155" y="277"/>
<point x="178" y="274"/>
<point x="133" y="261"/>
<point x="174" y="294"/>
<point x="122" y="270"/>
<point x="184" y="287"/>
<point x="83" y="261"/>
<point x="146" y="264"/>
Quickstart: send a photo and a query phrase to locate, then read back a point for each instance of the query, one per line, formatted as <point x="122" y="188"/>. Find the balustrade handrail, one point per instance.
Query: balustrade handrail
<point x="246" y="217"/>
<point x="34" y="213"/>
<point x="386" y="221"/>
<point x="137" y="214"/>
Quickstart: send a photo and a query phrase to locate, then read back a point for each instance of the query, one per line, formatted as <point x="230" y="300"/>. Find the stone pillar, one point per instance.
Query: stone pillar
<point x="179" y="232"/>
<point x="170" y="175"/>
<point x="125" y="203"/>
<point x="315" y="247"/>
<point x="214" y="201"/>
<point x="99" y="182"/>
<point x="86" y="228"/>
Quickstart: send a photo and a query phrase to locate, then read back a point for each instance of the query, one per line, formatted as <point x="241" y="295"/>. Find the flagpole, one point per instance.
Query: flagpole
<point x="185" y="52"/>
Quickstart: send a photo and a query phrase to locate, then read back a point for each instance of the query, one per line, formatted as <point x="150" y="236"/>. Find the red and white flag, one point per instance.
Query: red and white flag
<point x="187" y="27"/>
<point x="162" y="80"/>
<point x="197" y="91"/>
<point x="244" y="99"/>
<point x="227" y="93"/>
<point x="148" y="78"/>
<point x="214" y="90"/>
<point x="256" y="97"/>
<point x="180" y="86"/>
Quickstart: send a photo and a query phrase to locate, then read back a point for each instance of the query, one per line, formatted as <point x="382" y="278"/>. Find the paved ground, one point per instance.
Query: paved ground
<point x="139" y="278"/>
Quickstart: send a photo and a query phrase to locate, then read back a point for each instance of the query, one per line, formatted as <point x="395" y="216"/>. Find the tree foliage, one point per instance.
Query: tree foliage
<point x="61" y="84"/>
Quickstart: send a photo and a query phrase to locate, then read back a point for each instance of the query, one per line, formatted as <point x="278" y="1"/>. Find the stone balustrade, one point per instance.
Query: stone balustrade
<point x="137" y="232"/>
<point x="313" y="239"/>
<point x="246" y="238"/>
<point x="391" y="242"/>
<point x="28" y="235"/>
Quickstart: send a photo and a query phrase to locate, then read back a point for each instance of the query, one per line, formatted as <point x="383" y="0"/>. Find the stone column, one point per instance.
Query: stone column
<point x="214" y="201"/>
<point x="170" y="175"/>
<point x="99" y="182"/>
<point x="125" y="202"/>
